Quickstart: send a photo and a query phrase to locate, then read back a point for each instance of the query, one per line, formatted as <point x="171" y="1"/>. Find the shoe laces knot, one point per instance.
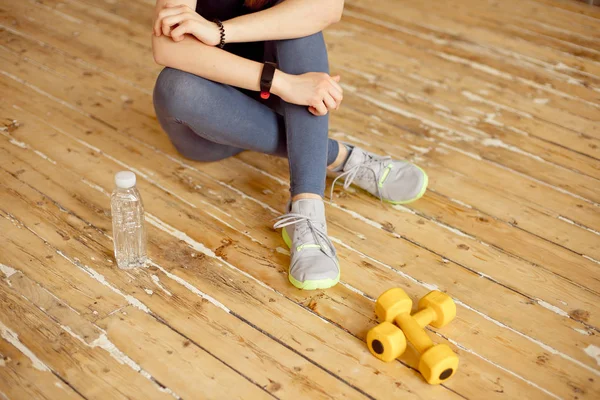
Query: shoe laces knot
<point x="375" y="165"/>
<point x="307" y="225"/>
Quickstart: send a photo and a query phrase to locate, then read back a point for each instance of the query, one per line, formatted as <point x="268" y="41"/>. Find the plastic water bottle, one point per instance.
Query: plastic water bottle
<point x="129" y="234"/>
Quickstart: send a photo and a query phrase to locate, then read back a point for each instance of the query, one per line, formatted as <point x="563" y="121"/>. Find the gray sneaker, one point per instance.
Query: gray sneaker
<point x="396" y="182"/>
<point x="314" y="263"/>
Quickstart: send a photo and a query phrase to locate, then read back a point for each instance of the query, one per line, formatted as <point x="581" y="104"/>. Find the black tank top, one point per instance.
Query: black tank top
<point x="221" y="9"/>
<point x="227" y="9"/>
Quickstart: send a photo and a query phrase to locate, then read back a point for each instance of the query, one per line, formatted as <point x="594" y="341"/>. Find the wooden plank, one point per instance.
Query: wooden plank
<point x="572" y="98"/>
<point x="92" y="371"/>
<point x="90" y="300"/>
<point x="20" y="379"/>
<point x="417" y="17"/>
<point x="136" y="65"/>
<point x="182" y="365"/>
<point x="571" y="7"/>
<point x="358" y="262"/>
<point x="104" y="18"/>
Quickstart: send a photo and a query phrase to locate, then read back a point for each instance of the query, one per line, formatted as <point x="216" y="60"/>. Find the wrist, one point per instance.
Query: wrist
<point x="230" y="31"/>
<point x="280" y="83"/>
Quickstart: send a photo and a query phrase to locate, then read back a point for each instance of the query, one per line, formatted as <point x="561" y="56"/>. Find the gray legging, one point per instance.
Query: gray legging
<point x="210" y="121"/>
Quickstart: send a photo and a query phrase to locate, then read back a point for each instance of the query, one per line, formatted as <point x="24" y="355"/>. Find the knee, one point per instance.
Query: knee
<point x="205" y="152"/>
<point x="176" y="91"/>
<point x="301" y="55"/>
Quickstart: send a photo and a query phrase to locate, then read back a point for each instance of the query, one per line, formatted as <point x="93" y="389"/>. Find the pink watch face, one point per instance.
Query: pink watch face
<point x="265" y="95"/>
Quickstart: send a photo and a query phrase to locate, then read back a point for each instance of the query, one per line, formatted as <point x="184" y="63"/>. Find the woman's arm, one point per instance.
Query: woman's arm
<point x="287" y="20"/>
<point x="317" y="90"/>
<point x="209" y="62"/>
<point x="193" y="56"/>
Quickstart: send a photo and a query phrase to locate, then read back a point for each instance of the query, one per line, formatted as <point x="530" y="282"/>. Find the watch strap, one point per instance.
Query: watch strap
<point x="266" y="79"/>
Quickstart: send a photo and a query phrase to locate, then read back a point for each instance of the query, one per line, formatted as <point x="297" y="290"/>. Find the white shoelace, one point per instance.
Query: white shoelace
<point x="353" y="172"/>
<point x="318" y="235"/>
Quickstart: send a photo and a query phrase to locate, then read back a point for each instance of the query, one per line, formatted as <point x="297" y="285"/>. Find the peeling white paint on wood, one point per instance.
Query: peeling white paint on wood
<point x="11" y="337"/>
<point x="594" y="352"/>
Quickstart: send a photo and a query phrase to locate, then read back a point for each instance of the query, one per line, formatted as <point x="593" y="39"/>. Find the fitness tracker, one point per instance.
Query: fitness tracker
<point x="266" y="79"/>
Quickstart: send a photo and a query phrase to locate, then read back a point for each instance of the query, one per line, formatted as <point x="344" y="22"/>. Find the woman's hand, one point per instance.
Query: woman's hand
<point x="317" y="90"/>
<point x="177" y="20"/>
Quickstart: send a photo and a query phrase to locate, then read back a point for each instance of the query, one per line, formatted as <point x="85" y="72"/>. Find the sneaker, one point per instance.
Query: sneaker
<point x="396" y="182"/>
<point x="314" y="264"/>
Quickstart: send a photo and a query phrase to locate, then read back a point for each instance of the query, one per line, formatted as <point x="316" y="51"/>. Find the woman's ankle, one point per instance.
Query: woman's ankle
<point x="341" y="158"/>
<point x="302" y="196"/>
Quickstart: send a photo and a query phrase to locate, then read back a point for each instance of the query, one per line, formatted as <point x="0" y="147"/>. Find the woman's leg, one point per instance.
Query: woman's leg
<point x="313" y="263"/>
<point x="209" y="121"/>
<point x="308" y="147"/>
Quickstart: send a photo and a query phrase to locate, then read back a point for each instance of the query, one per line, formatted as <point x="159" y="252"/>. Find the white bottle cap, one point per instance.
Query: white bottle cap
<point x="125" y="179"/>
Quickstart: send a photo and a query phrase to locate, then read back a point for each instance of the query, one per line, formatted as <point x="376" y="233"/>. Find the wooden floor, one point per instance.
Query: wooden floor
<point x="498" y="100"/>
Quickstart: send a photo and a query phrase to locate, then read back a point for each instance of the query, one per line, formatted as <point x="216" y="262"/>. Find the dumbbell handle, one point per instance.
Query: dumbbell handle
<point x="424" y="317"/>
<point x="413" y="328"/>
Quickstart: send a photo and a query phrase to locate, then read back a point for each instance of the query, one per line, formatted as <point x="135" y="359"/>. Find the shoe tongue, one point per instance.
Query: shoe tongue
<point x="312" y="208"/>
<point x="357" y="156"/>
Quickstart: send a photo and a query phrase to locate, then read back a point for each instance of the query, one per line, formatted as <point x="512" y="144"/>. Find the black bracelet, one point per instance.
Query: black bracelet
<point x="222" y="30"/>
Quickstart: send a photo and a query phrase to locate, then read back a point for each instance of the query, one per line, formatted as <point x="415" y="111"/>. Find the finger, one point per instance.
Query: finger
<point x="335" y="92"/>
<point x="170" y="22"/>
<point x="337" y="96"/>
<point x="178" y="33"/>
<point x="174" y="5"/>
<point x="320" y="107"/>
<point x="313" y="111"/>
<point x="165" y="12"/>
<point x="334" y="82"/>
<point x="329" y="102"/>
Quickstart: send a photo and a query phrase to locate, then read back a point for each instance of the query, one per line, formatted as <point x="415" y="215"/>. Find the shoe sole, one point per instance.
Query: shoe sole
<point x="418" y="196"/>
<point x="310" y="284"/>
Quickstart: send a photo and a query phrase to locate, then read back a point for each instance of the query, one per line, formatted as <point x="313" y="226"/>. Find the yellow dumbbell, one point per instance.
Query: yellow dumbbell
<point x="388" y="341"/>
